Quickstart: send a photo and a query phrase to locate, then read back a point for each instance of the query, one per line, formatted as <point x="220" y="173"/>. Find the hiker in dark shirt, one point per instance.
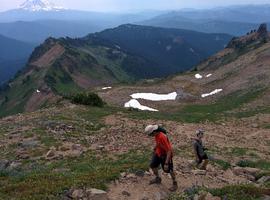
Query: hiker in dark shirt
<point x="199" y="151"/>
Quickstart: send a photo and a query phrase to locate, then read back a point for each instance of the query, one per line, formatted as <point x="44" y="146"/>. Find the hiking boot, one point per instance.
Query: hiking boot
<point x="157" y="180"/>
<point x="174" y="187"/>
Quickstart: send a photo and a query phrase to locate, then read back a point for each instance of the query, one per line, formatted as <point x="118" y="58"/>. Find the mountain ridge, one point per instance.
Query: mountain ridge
<point x="62" y="66"/>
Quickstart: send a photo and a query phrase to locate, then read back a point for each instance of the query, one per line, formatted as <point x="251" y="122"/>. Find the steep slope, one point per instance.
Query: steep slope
<point x="13" y="56"/>
<point x="60" y="67"/>
<point x="232" y="83"/>
<point x="172" y="50"/>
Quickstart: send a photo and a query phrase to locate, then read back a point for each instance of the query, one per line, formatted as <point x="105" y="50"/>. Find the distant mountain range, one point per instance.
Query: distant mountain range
<point x="235" y="20"/>
<point x="13" y="56"/>
<point x="36" y="32"/>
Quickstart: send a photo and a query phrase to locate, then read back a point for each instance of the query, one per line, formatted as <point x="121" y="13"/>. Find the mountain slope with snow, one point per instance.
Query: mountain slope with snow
<point x="39" y="5"/>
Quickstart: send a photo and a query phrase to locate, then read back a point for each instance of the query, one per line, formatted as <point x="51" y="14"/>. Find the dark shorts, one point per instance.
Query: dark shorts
<point x="157" y="161"/>
<point x="201" y="158"/>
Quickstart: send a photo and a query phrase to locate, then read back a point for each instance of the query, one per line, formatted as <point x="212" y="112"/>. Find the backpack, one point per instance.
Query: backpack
<point x="162" y="129"/>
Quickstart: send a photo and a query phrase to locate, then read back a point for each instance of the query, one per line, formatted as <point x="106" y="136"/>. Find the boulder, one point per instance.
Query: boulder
<point x="77" y="194"/>
<point x="29" y="144"/>
<point x="94" y="191"/>
<point x="95" y="194"/>
<point x="126" y="193"/>
<point x="264" y="179"/>
<point x="245" y="170"/>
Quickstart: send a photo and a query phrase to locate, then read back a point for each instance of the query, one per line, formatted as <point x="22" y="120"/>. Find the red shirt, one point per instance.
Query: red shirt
<point x="162" y="144"/>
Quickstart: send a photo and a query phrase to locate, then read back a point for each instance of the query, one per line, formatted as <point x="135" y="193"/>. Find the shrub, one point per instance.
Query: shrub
<point x="261" y="164"/>
<point x="90" y="99"/>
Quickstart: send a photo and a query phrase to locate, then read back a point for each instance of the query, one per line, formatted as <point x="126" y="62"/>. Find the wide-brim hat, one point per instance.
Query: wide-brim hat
<point x="150" y="129"/>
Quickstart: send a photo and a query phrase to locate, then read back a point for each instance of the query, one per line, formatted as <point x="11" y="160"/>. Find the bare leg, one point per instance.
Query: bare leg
<point x="157" y="180"/>
<point x="155" y="171"/>
<point x="205" y="163"/>
<point x="175" y="185"/>
<point x="173" y="176"/>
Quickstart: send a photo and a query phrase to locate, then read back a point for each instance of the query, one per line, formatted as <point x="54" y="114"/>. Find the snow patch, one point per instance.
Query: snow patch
<point x="208" y="75"/>
<point x="155" y="97"/>
<point x="198" y="76"/>
<point x="40" y="5"/>
<point x="38" y="91"/>
<point x="212" y="93"/>
<point x="106" y="88"/>
<point x="133" y="103"/>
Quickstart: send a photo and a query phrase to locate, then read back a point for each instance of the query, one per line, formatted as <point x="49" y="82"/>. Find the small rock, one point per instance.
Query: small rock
<point x="64" y="148"/>
<point x="61" y="170"/>
<point x="264" y="179"/>
<point x="29" y="144"/>
<point x="76" y="147"/>
<point x="147" y="173"/>
<point x="140" y="173"/>
<point x="77" y="194"/>
<point x="14" y="165"/>
<point x="196" y="197"/>
<point x="125" y="193"/>
<point x="94" y="191"/>
<point x="3" y="164"/>
<point x="209" y="196"/>
<point x="100" y="148"/>
<point x="51" y="153"/>
<point x="131" y="176"/>
<point x="96" y="194"/>
<point x="123" y="174"/>
<point x="255" y="125"/>
<point x="199" y="172"/>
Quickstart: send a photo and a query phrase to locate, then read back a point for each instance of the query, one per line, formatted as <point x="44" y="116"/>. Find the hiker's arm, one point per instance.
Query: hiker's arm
<point x="169" y="156"/>
<point x="195" y="151"/>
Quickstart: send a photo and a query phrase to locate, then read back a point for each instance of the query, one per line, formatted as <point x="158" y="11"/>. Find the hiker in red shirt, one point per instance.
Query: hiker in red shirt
<point x="163" y="154"/>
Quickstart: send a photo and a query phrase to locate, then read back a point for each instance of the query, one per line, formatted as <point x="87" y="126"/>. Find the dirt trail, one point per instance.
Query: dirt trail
<point x="133" y="187"/>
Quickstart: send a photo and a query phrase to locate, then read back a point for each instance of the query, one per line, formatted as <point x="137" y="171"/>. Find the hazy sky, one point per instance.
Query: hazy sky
<point x="128" y="5"/>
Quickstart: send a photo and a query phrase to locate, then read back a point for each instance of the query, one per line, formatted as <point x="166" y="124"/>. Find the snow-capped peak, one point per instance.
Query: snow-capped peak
<point x="39" y="5"/>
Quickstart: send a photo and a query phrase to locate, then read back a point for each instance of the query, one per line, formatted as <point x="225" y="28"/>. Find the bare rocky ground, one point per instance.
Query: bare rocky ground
<point x="62" y="137"/>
